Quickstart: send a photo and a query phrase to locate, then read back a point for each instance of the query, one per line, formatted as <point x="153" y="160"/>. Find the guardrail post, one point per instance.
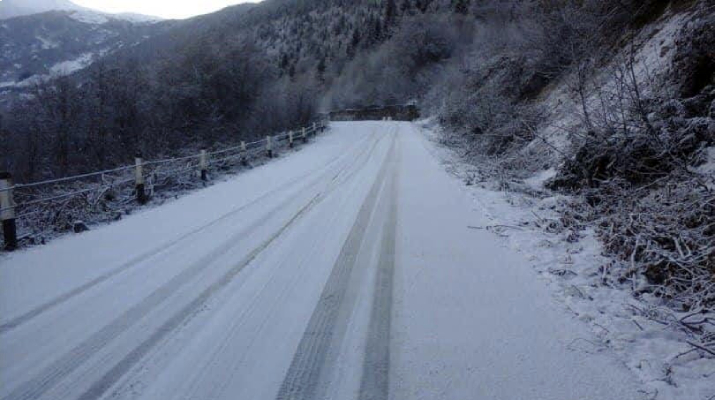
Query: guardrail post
<point x="244" y="159"/>
<point x="305" y="136"/>
<point x="290" y="139"/>
<point x="203" y="164"/>
<point x="139" y="177"/>
<point x="7" y="215"/>
<point x="269" y="146"/>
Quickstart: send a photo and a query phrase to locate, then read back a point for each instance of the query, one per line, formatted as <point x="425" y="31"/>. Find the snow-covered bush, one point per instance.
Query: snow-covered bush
<point x="633" y="169"/>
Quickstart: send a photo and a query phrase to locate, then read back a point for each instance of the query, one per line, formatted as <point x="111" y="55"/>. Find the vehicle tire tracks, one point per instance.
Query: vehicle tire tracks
<point x="375" y="381"/>
<point x="23" y="318"/>
<point x="306" y="376"/>
<point x="62" y="367"/>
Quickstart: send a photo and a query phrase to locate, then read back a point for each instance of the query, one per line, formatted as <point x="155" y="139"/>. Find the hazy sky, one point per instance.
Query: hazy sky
<point x="160" y="8"/>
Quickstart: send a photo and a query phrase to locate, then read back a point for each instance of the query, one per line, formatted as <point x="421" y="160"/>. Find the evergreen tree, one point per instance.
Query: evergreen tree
<point x="390" y="13"/>
<point x="406" y="7"/>
<point x="320" y="70"/>
<point x="374" y="34"/>
<point x="355" y="39"/>
<point x="284" y="62"/>
<point x="422" y="5"/>
<point x="377" y="32"/>
<point x="353" y="45"/>
<point x="461" y="6"/>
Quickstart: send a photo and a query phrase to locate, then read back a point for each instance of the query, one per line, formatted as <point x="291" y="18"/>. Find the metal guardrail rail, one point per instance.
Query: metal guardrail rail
<point x="33" y="194"/>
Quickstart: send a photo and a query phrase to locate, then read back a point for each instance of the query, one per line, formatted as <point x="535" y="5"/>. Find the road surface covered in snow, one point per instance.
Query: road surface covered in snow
<point x="345" y="270"/>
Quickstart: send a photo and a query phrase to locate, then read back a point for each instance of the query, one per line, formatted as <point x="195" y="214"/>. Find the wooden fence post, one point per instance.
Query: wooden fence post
<point x="203" y="165"/>
<point x="7" y="215"/>
<point x="139" y="177"/>
<point x="305" y="136"/>
<point x="244" y="157"/>
<point x="290" y="139"/>
<point x="269" y="146"/>
<point x="315" y="129"/>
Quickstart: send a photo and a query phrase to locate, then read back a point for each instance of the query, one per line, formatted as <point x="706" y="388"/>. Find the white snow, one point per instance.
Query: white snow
<point x="209" y="296"/>
<point x="137" y="18"/>
<point x="47" y="43"/>
<point x="61" y="68"/>
<point x="70" y="66"/>
<point x="537" y="180"/>
<point x="89" y="17"/>
<point x="708" y="168"/>
<point x="100" y="18"/>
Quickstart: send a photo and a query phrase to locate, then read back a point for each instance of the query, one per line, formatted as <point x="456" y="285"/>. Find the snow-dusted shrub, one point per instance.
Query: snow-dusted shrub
<point x="633" y="169"/>
<point x="670" y="141"/>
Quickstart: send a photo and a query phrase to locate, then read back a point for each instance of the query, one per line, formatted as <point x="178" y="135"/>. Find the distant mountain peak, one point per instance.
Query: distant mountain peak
<point x="17" y="8"/>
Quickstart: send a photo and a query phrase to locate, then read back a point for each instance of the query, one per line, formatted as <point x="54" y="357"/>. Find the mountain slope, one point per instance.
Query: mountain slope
<point x="17" y="8"/>
<point x="60" y="42"/>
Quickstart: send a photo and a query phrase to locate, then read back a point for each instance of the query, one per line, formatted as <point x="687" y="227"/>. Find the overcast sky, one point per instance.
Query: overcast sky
<point x="160" y="8"/>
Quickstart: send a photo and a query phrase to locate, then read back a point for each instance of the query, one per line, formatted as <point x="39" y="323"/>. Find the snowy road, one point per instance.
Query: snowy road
<point x="343" y="271"/>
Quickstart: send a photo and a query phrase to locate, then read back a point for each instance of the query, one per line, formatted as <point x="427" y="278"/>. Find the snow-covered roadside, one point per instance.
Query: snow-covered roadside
<point x="571" y="264"/>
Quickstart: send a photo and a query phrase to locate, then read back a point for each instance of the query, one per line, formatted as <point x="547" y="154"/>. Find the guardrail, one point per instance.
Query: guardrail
<point x="22" y="201"/>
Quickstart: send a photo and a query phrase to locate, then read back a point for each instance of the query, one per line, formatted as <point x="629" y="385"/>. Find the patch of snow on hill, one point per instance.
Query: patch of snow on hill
<point x="67" y="67"/>
<point x="47" y="43"/>
<point x="137" y="18"/>
<point x="89" y="17"/>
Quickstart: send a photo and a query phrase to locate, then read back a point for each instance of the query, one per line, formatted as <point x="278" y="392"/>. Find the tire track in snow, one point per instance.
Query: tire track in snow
<point x="306" y="375"/>
<point x="101" y="386"/>
<point x="375" y="381"/>
<point x="21" y="319"/>
<point x="68" y="363"/>
<point x="62" y="367"/>
<point x="339" y="179"/>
